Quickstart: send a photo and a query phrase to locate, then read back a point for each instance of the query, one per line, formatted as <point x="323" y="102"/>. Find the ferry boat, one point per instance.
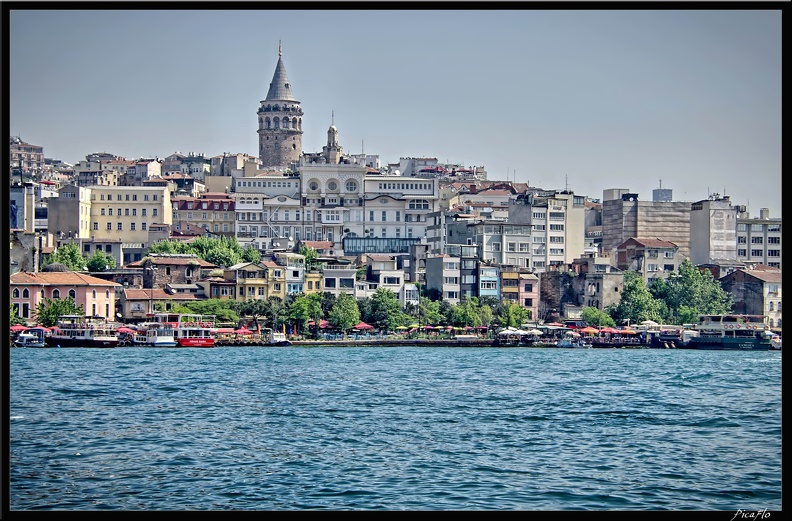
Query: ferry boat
<point x="160" y="332"/>
<point x="82" y="331"/>
<point x="195" y="330"/>
<point x="744" y="332"/>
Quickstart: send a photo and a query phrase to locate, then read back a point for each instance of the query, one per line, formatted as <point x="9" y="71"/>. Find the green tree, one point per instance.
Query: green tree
<point x="251" y="254"/>
<point x="222" y="256"/>
<point x="512" y="315"/>
<point x="276" y="312"/>
<point x="430" y="312"/>
<point x="386" y="310"/>
<point x="691" y="292"/>
<point x="222" y="309"/>
<point x="100" y="261"/>
<point x="345" y="313"/>
<point x="305" y="308"/>
<point x="48" y="310"/>
<point x="466" y="313"/>
<point x="15" y="318"/>
<point x="253" y="309"/>
<point x="69" y="255"/>
<point x="636" y="303"/>
<point x="597" y="318"/>
<point x="310" y="255"/>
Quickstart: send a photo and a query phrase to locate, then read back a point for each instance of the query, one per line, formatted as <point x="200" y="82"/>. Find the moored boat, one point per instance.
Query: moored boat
<point x="82" y="331"/>
<point x="159" y="332"/>
<point x="732" y="331"/>
<point x="195" y="330"/>
<point x="33" y="337"/>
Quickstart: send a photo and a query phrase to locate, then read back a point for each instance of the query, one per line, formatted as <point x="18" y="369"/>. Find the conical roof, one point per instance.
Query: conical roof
<point x="280" y="88"/>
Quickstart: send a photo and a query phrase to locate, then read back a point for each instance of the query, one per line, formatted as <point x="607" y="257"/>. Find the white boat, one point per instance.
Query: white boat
<point x="81" y="331"/>
<point x="30" y="338"/>
<point x="573" y="343"/>
<point x="195" y="330"/>
<point x="158" y="333"/>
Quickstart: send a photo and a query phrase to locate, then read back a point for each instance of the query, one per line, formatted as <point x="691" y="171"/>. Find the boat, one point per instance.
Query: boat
<point x="159" y="332"/>
<point x="83" y="331"/>
<point x="275" y="338"/>
<point x="574" y="343"/>
<point x="731" y="331"/>
<point x="195" y="330"/>
<point x="31" y="338"/>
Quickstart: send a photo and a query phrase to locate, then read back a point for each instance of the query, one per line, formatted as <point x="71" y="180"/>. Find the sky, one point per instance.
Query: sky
<point x="585" y="100"/>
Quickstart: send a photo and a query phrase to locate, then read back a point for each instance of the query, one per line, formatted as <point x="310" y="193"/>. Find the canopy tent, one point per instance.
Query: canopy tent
<point x="363" y="325"/>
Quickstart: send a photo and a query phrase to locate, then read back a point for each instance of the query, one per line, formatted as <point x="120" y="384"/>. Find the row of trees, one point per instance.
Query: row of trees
<point x="70" y="256"/>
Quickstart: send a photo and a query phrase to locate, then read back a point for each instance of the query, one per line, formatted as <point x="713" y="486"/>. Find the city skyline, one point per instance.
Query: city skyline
<point x="584" y="100"/>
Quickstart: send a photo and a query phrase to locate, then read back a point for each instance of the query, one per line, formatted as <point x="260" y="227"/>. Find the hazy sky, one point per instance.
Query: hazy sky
<point x="585" y="100"/>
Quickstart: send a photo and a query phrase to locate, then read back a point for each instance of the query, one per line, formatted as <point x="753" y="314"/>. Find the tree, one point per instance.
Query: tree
<point x="689" y="293"/>
<point x="48" y="310"/>
<point x="251" y="254"/>
<point x="595" y="317"/>
<point x="636" y="303"/>
<point x="512" y="315"/>
<point x="305" y="308"/>
<point x="15" y="318"/>
<point x="310" y="255"/>
<point x="386" y="310"/>
<point x="69" y="255"/>
<point x="345" y="313"/>
<point x="223" y="310"/>
<point x="251" y="308"/>
<point x="100" y="261"/>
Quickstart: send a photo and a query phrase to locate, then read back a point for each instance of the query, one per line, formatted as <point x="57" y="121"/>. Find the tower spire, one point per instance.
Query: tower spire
<point x="280" y="49"/>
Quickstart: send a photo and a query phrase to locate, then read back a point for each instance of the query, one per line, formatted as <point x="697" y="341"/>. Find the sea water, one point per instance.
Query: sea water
<point x="394" y="428"/>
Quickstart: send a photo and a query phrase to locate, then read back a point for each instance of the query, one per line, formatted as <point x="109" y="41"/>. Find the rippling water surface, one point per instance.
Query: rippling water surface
<point x="380" y="428"/>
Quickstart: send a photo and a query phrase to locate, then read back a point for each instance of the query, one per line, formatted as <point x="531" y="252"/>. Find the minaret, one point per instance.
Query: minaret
<point x="280" y="121"/>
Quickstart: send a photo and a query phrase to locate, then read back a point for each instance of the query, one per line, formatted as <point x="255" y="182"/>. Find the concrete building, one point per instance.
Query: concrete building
<point x="651" y="258"/>
<point x="759" y="239"/>
<point x="26" y="160"/>
<point x="756" y="291"/>
<point x="713" y="231"/>
<point x="624" y="216"/>
<point x="443" y="276"/>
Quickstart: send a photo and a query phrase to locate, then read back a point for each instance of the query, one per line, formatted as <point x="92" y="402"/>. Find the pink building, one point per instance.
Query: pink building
<point x="96" y="296"/>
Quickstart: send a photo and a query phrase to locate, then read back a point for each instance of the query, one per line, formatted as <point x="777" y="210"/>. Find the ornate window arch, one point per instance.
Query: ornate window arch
<point x="93" y="294"/>
<point x="25" y="293"/>
<point x="276" y="122"/>
<point x="55" y="293"/>
<point x="15" y="293"/>
<point x="351" y="185"/>
<point x="72" y="294"/>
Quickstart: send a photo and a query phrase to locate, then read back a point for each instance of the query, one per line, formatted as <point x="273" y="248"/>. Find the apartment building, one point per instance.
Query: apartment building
<point x="443" y="276"/>
<point x="713" y="231"/>
<point x="759" y="239"/>
<point x="214" y="212"/>
<point x="651" y="258"/>
<point x="756" y="291"/>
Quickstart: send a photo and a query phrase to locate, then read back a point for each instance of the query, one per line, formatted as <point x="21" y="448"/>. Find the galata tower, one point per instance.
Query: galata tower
<point x="280" y="121"/>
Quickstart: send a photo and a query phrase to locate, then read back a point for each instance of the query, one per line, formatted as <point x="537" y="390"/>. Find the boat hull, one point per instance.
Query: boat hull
<point x="196" y="342"/>
<point x="55" y="341"/>
<point x="739" y="344"/>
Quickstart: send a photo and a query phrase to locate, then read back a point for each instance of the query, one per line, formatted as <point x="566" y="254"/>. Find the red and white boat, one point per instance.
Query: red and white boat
<point x="194" y="330"/>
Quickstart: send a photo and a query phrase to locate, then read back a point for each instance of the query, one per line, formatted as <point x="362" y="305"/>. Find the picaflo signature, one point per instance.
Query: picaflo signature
<point x="751" y="514"/>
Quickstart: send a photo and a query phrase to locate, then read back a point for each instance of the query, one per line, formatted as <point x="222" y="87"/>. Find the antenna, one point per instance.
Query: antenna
<point x="332" y="117"/>
<point x="280" y="49"/>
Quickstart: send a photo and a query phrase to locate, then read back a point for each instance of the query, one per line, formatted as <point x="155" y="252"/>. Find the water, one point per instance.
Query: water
<point x="380" y="428"/>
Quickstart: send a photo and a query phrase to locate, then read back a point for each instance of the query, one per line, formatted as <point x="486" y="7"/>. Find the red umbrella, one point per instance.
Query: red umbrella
<point x="18" y="327"/>
<point x="363" y="325"/>
<point x="125" y="330"/>
<point x="243" y="331"/>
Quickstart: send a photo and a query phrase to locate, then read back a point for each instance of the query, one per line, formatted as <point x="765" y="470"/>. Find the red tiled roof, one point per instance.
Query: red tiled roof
<point x="71" y="278"/>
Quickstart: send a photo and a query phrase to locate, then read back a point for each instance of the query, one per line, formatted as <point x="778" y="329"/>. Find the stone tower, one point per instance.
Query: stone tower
<point x="280" y="121"/>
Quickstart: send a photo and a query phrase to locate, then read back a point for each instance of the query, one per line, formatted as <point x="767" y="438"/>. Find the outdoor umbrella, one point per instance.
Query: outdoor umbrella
<point x="125" y="330"/>
<point x="588" y="330"/>
<point x="243" y="331"/>
<point x="363" y="325"/>
<point x="18" y="327"/>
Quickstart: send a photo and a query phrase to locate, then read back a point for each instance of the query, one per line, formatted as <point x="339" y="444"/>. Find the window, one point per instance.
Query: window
<point x="134" y="212"/>
<point x="120" y="227"/>
<point x="757" y="240"/>
<point x="131" y="226"/>
<point x="109" y="226"/>
<point x="153" y="211"/>
<point x="93" y="294"/>
<point x="95" y="225"/>
<point x="351" y="186"/>
<point x="126" y="212"/>
<point x="72" y="294"/>
<point x="742" y="239"/>
<point x="101" y="211"/>
<point x="384" y="217"/>
<point x="756" y="253"/>
<point x="15" y="293"/>
<point x="56" y="294"/>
